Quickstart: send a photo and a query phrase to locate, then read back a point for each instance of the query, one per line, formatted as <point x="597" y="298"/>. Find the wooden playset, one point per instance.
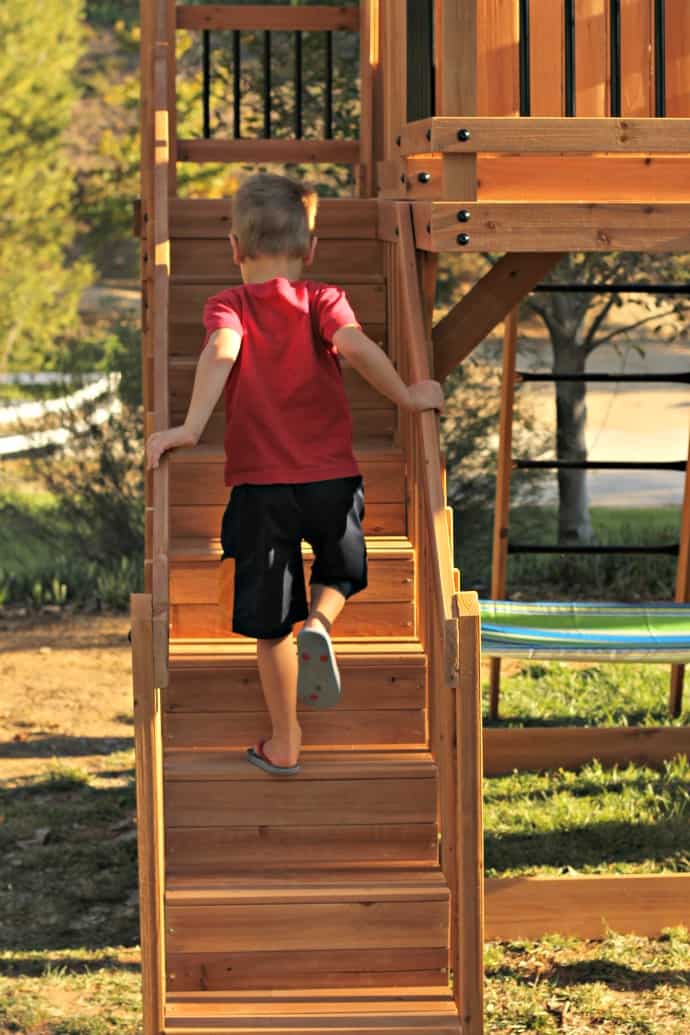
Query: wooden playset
<point x="351" y="898"/>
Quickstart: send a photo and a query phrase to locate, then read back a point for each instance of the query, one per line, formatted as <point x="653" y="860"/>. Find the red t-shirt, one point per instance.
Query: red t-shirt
<point x="287" y="417"/>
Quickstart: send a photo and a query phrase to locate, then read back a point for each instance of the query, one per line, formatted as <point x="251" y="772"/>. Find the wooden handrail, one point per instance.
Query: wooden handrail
<point x="280" y="18"/>
<point x="161" y="405"/>
<point x="428" y="430"/>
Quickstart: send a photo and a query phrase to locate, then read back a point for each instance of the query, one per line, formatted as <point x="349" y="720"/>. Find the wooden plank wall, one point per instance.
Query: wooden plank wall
<point x="498" y="57"/>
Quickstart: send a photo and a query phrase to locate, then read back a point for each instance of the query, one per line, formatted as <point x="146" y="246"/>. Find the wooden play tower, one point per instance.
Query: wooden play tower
<point x="350" y="898"/>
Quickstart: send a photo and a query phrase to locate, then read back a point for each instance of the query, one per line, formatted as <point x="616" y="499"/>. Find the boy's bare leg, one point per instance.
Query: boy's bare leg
<point x="278" y="671"/>
<point x="326" y="602"/>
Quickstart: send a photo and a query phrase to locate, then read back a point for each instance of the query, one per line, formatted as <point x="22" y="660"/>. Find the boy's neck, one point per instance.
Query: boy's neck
<point x="255" y="271"/>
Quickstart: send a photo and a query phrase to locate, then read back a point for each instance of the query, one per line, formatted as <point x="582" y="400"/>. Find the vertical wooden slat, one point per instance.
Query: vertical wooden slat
<point x="150" y="825"/>
<point x="455" y="31"/>
<point x="678" y="58"/>
<point x="168" y="34"/>
<point x="469" y="966"/>
<point x="498" y="59"/>
<point x="368" y="70"/>
<point x="682" y="589"/>
<point x="147" y="38"/>
<point x="547" y="82"/>
<point x="592" y="80"/>
<point x="637" y="58"/>
<point x="499" y="549"/>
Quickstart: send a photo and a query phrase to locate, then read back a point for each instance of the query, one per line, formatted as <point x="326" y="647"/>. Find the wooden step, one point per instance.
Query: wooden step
<point x="384" y="608"/>
<point x="307" y="912"/>
<point x="221" y="704"/>
<point x="224" y="815"/>
<point x="198" y="494"/>
<point x="401" y="1010"/>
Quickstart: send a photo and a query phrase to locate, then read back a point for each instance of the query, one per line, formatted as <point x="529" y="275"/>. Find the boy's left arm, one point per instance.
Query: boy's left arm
<point x="213" y="369"/>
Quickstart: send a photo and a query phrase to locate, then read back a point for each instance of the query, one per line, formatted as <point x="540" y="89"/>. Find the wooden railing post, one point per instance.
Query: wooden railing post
<point x="149" y="789"/>
<point x="469" y="963"/>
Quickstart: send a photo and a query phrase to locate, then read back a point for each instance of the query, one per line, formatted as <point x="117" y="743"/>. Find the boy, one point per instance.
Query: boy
<point x="273" y="345"/>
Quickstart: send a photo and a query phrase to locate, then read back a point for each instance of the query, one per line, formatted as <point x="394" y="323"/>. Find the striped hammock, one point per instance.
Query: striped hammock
<point x="586" y="632"/>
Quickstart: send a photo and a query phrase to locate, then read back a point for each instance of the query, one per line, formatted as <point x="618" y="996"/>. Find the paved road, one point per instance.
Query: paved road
<point x="628" y="422"/>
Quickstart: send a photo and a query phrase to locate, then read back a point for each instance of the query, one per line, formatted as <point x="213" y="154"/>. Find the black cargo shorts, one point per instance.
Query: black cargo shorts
<point x="263" y="527"/>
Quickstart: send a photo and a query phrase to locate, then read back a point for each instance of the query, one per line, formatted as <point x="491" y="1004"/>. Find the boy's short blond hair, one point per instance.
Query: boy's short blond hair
<point x="274" y="215"/>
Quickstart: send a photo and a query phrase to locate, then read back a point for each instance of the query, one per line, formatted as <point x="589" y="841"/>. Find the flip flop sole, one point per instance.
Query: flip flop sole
<point x="318" y="679"/>
<point x="276" y="770"/>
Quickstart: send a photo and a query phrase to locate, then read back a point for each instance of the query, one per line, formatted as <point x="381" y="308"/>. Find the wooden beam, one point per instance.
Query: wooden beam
<point x="544" y="135"/>
<point x="469" y="970"/>
<point x="393" y="72"/>
<point x="485" y="305"/>
<point x="345" y="152"/>
<point x="506" y="226"/>
<point x="499" y="549"/>
<point x="569" y="747"/>
<point x="585" y="906"/>
<point x="149" y="791"/>
<point x="259" y="16"/>
<point x="368" y="70"/>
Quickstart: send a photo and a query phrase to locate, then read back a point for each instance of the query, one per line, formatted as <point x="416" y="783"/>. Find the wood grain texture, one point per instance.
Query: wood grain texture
<point x="554" y="226"/>
<point x="150" y="826"/>
<point x="322" y="969"/>
<point x="229" y="850"/>
<point x="585" y="906"/>
<point x="344" y="218"/>
<point x="571" y="747"/>
<point x="259" y="16"/>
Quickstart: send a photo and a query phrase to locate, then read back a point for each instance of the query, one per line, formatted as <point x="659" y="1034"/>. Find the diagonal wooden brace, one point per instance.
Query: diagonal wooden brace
<point x="485" y="305"/>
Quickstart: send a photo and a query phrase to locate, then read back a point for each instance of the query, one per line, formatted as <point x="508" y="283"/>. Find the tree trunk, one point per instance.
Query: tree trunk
<point x="574" y="525"/>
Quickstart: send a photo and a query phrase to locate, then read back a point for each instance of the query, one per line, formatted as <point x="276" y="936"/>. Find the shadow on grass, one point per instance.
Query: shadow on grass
<point x="64" y="747"/>
<point x="68" y="866"/>
<point x="585" y="788"/>
<point x="70" y="964"/>
<point x="619" y="720"/>
<point x="616" y="976"/>
<point x="594" y="844"/>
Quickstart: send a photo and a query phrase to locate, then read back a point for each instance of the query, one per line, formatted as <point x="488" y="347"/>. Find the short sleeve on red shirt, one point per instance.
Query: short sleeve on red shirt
<point x="220" y="312"/>
<point x="332" y="310"/>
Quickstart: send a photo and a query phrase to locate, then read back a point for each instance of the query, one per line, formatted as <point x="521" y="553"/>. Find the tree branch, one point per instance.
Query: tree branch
<point x="632" y="326"/>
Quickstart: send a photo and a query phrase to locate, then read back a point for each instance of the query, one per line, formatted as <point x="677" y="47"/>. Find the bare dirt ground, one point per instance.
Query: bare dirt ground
<point x="66" y="691"/>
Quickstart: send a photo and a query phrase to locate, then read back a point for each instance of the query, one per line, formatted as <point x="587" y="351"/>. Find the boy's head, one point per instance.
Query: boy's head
<point x="273" y="215"/>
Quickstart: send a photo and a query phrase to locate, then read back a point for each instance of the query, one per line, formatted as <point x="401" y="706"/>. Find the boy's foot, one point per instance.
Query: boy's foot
<point x="259" y="757"/>
<point x="318" y="679"/>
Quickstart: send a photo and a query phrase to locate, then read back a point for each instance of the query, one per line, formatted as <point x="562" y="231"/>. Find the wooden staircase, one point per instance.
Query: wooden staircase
<point x="347" y="898"/>
<point x="322" y="902"/>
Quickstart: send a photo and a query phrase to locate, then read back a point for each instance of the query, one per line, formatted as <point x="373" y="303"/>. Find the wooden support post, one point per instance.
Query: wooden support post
<point x="149" y="790"/>
<point x="682" y="591"/>
<point x="168" y="34"/>
<point x="469" y="964"/>
<point x="370" y="130"/>
<point x="499" y="550"/>
<point x="455" y="27"/>
<point x="393" y="55"/>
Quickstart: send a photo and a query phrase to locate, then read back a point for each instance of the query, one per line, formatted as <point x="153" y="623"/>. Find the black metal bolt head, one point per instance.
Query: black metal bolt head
<point x="397" y="140"/>
<point x="423" y="177"/>
<point x="463" y="238"/>
<point x="464" y="215"/>
<point x="428" y="135"/>
<point x="464" y="134"/>
<point x="402" y="177"/>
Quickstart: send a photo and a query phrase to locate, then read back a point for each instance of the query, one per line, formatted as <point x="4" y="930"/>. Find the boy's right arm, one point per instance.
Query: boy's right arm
<point x="373" y="364"/>
<point x="213" y="369"/>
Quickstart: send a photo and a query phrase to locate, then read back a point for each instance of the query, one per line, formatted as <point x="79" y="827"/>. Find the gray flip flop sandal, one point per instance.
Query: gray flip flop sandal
<point x="318" y="680"/>
<point x="256" y="756"/>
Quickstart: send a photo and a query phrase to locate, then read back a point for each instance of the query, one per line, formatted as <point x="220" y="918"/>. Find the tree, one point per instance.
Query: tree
<point x="39" y="291"/>
<point x="577" y="326"/>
